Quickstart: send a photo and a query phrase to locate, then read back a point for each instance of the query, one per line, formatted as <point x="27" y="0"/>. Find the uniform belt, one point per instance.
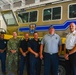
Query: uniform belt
<point x="51" y="53"/>
<point x="68" y="50"/>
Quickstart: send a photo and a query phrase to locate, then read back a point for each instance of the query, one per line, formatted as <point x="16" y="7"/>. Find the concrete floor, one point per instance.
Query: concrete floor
<point x="24" y="70"/>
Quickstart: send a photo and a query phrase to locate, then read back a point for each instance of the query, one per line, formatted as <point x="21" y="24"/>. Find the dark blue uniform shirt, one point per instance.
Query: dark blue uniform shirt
<point x="3" y="44"/>
<point x="24" y="45"/>
<point x="34" y="45"/>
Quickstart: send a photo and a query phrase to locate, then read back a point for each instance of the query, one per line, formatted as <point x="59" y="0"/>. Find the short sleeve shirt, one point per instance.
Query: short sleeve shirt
<point x="24" y="45"/>
<point x="71" y="40"/>
<point x="3" y="43"/>
<point x="51" y="43"/>
<point x="34" y="45"/>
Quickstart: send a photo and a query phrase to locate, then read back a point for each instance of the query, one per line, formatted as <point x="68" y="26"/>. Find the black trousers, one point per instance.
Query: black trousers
<point x="71" y="64"/>
<point x="3" y="61"/>
<point x="51" y="63"/>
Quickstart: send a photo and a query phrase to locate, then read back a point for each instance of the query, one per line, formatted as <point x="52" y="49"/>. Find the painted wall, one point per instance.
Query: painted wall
<point x="2" y="23"/>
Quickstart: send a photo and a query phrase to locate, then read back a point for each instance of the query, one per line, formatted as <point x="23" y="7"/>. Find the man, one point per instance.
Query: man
<point x="3" y="46"/>
<point x="34" y="48"/>
<point x="13" y="53"/>
<point x="24" y="58"/>
<point x="70" y="50"/>
<point x="52" y="48"/>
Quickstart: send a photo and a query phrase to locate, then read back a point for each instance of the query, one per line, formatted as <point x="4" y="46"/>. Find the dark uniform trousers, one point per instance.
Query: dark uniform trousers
<point x="24" y="61"/>
<point x="35" y="62"/>
<point x="51" y="63"/>
<point x="3" y="61"/>
<point x="71" y="64"/>
<point x="35" y="65"/>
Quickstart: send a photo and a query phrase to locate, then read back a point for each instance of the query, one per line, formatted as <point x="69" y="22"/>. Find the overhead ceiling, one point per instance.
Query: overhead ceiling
<point x="7" y="4"/>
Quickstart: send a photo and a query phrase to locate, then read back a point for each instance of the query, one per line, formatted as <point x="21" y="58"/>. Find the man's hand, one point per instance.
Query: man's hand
<point x="41" y="56"/>
<point x="59" y="53"/>
<point x="36" y="55"/>
<point x="1" y="51"/>
<point x="24" y="54"/>
<point x="66" y="56"/>
<point x="13" y="51"/>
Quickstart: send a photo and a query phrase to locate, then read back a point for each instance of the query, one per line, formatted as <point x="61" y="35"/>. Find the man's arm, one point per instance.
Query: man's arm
<point x="23" y="53"/>
<point x="60" y="50"/>
<point x="33" y="52"/>
<point x="64" y="49"/>
<point x="65" y="53"/>
<point x="41" y="51"/>
<point x="73" y="50"/>
<point x="60" y="46"/>
<point x="2" y="50"/>
<point x="9" y="46"/>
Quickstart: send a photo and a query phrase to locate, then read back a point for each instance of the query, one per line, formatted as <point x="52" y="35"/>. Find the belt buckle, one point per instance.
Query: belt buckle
<point x="51" y="53"/>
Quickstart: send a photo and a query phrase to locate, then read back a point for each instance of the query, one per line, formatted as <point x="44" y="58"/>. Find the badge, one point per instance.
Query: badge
<point x="32" y="28"/>
<point x="4" y="42"/>
<point x="73" y="34"/>
<point x="56" y="37"/>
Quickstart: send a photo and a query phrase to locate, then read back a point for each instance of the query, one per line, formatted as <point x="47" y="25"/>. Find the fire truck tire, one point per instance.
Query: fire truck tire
<point x="62" y="69"/>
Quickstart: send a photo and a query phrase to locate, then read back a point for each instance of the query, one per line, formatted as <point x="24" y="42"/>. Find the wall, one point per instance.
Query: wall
<point x="2" y="23"/>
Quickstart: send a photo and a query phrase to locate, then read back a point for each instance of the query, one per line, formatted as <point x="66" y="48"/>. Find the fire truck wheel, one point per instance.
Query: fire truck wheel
<point x="61" y="70"/>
